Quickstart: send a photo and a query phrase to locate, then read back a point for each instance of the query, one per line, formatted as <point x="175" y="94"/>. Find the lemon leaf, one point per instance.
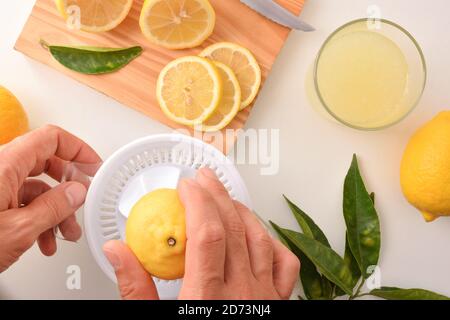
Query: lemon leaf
<point x="327" y="261"/>
<point x="361" y="218"/>
<point x="309" y="227"/>
<point x="92" y="60"/>
<point x="311" y="281"/>
<point x="309" y="276"/>
<point x="393" y="293"/>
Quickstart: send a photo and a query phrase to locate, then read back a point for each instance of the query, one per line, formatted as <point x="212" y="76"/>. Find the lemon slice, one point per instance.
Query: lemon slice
<point x="95" y="15"/>
<point x="244" y="65"/>
<point x="189" y="89"/>
<point x="229" y="104"/>
<point x="177" y="24"/>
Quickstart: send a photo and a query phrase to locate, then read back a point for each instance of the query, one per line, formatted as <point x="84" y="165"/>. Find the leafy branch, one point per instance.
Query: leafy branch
<point x="327" y="275"/>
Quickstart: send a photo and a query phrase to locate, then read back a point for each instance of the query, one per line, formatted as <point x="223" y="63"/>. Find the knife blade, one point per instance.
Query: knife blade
<point x="275" y="12"/>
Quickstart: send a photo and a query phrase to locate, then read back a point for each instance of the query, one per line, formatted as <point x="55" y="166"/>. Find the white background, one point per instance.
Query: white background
<point x="315" y="152"/>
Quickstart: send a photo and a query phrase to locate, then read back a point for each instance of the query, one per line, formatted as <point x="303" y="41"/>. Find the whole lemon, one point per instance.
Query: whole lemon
<point x="156" y="233"/>
<point x="13" y="119"/>
<point x="425" y="168"/>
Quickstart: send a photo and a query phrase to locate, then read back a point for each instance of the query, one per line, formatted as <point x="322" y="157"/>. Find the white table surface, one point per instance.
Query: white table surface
<point x="315" y="153"/>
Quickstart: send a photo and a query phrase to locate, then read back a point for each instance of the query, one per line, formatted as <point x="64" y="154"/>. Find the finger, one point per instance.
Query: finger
<point x="54" y="167"/>
<point x="54" y="206"/>
<point x="47" y="243"/>
<point x="62" y="170"/>
<point x="82" y="170"/>
<point x="286" y="269"/>
<point x="31" y="189"/>
<point x="134" y="282"/>
<point x="205" y="246"/>
<point x="260" y="244"/>
<point x="237" y="259"/>
<point x="80" y="173"/>
<point x="70" y="229"/>
<point x="29" y="153"/>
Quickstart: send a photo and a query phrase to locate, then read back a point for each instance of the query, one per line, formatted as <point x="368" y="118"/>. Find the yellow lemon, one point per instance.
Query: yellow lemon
<point x="13" y="119"/>
<point x="95" y="15"/>
<point x="189" y="89"/>
<point x="244" y="65"/>
<point x="425" y="168"/>
<point x="177" y="24"/>
<point x="229" y="104"/>
<point x="156" y="233"/>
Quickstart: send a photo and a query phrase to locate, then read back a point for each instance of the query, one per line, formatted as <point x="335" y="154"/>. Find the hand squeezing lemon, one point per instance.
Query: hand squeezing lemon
<point x="156" y="233"/>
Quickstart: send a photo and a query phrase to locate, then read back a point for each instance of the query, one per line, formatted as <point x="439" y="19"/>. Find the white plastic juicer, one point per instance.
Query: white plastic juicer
<point x="144" y="165"/>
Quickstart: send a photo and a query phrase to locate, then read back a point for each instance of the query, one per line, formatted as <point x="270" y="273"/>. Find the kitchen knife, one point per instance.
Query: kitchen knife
<point x="275" y="12"/>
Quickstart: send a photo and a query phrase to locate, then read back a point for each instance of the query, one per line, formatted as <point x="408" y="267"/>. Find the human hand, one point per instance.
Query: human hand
<point x="29" y="208"/>
<point x="229" y="255"/>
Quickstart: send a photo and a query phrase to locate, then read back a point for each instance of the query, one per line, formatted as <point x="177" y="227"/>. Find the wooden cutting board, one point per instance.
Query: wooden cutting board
<point x="134" y="85"/>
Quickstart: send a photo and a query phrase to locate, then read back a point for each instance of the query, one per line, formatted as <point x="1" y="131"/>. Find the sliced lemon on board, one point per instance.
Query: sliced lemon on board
<point x="95" y="15"/>
<point x="177" y="24"/>
<point x="244" y="65"/>
<point x="229" y="104"/>
<point x="189" y="89"/>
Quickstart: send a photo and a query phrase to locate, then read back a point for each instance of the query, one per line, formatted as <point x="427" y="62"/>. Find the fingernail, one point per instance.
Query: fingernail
<point x="112" y="258"/>
<point x="73" y="233"/>
<point x="76" y="194"/>
<point x="208" y="173"/>
<point x="59" y="236"/>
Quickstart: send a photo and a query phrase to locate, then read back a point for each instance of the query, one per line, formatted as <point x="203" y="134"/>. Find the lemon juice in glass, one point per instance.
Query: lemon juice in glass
<point x="369" y="74"/>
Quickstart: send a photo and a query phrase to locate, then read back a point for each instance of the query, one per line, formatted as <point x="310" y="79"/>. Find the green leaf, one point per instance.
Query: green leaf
<point x="352" y="264"/>
<point x="310" y="278"/>
<point x="392" y="293"/>
<point x="327" y="261"/>
<point x="312" y="230"/>
<point x="327" y="288"/>
<point x="92" y="60"/>
<point x="361" y="218"/>
<point x="308" y="226"/>
<point x="350" y="260"/>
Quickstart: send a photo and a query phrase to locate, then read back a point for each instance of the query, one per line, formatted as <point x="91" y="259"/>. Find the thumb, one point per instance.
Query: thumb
<point x="134" y="282"/>
<point x="54" y="206"/>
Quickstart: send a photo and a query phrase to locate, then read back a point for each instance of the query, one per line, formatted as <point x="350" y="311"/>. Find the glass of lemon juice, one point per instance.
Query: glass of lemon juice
<point x="369" y="74"/>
